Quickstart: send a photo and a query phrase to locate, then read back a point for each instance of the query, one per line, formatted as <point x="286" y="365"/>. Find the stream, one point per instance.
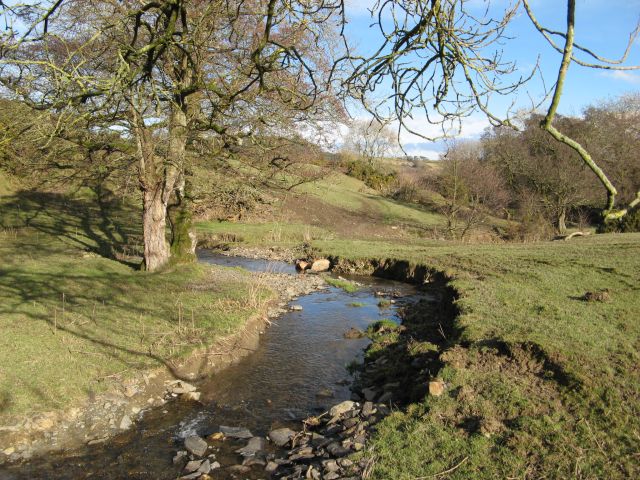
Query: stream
<point x="299" y="369"/>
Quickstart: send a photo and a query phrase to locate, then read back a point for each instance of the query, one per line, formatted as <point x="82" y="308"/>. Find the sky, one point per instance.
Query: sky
<point x="601" y="25"/>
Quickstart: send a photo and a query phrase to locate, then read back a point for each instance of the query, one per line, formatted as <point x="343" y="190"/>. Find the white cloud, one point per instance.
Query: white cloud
<point x="470" y="127"/>
<point x="423" y="150"/>
<point x="624" y="76"/>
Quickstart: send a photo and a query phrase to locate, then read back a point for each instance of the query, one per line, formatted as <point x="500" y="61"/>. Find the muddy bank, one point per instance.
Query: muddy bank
<point x="389" y="268"/>
<point x="105" y="415"/>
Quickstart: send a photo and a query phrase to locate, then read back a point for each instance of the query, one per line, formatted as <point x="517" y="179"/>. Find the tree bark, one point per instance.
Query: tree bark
<point x="156" y="182"/>
<point x="562" y="225"/>
<point x="183" y="236"/>
<point x="154" y="223"/>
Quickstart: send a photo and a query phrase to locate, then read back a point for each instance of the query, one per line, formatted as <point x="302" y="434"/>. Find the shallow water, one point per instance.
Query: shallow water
<point x="298" y="369"/>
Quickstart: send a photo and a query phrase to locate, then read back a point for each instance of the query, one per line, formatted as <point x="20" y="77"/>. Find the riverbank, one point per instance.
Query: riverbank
<point x="129" y="395"/>
<point x="87" y="338"/>
<point x="538" y="369"/>
<point x="537" y="372"/>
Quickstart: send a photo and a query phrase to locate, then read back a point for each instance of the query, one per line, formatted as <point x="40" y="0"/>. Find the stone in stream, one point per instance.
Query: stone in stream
<point x="325" y="393"/>
<point x="353" y="333"/>
<point x="180" y="387"/>
<point x="255" y="446"/>
<point x="368" y="409"/>
<point x="193" y="466"/>
<point x="271" y="467"/>
<point x="191" y="396"/>
<point x="295" y="308"/>
<point x="302" y="265"/>
<point x="342" y="408"/>
<point x="241" y="469"/>
<point x="236" y="432"/>
<point x="179" y="456"/>
<point x="385" y="397"/>
<point x="281" y="436"/>
<point x="251" y="461"/>
<point x="205" y="467"/>
<point x="370" y="394"/>
<point x="321" y="265"/>
<point x="125" y="423"/>
<point x="195" y="445"/>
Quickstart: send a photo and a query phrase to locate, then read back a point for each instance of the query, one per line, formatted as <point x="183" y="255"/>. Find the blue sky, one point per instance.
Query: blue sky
<point x="601" y="25"/>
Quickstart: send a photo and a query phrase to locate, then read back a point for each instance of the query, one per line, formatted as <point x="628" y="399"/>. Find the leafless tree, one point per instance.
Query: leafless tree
<point x="472" y="189"/>
<point x="370" y="141"/>
<point x="444" y="62"/>
<point x="158" y="71"/>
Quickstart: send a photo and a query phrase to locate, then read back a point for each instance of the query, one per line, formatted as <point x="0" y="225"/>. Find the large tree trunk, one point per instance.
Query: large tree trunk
<point x="562" y="225"/>
<point x="154" y="222"/>
<point x="183" y="236"/>
<point x="157" y="181"/>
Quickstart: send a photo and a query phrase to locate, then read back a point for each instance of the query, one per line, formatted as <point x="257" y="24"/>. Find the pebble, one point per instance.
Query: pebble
<point x="125" y="423"/>
<point x="235" y="432"/>
<point x="281" y="436"/>
<point x="342" y="408"/>
<point x="255" y="446"/>
<point x="195" y="445"/>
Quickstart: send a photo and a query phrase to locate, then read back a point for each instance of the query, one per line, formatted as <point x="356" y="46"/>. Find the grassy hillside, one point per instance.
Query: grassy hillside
<point x="67" y="305"/>
<point x="334" y="206"/>
<point x="541" y="382"/>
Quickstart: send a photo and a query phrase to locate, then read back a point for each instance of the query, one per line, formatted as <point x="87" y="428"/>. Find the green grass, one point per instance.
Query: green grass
<point x="356" y="304"/>
<point x="73" y="320"/>
<point x="259" y="234"/>
<point x="345" y="285"/>
<point x="348" y="193"/>
<point x="541" y="383"/>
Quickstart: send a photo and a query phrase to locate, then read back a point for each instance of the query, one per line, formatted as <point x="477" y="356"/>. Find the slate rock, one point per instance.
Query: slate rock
<point x="342" y="408"/>
<point x="195" y="445"/>
<point x="281" y="436"/>
<point x="236" y="432"/>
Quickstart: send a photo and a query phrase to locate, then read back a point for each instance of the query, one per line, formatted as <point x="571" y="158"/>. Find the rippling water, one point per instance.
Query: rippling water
<point x="299" y="368"/>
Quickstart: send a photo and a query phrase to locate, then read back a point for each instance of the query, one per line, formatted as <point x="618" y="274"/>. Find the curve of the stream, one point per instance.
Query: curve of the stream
<point x="299" y="369"/>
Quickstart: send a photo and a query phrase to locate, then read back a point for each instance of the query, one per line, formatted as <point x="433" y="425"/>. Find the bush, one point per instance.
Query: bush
<point x="629" y="223"/>
<point x="370" y="175"/>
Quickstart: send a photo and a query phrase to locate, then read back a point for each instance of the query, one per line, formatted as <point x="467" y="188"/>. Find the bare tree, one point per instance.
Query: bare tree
<point x="434" y="55"/>
<point x="570" y="52"/>
<point x="158" y="71"/>
<point x="472" y="189"/>
<point x="444" y="61"/>
<point x="370" y="140"/>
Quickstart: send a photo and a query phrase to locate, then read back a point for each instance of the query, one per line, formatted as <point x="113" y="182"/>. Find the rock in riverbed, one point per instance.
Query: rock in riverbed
<point x="235" y="432"/>
<point x="256" y="445"/>
<point x="353" y="333"/>
<point x="281" y="436"/>
<point x="195" y="445"/>
<point x="321" y="265"/>
<point x="342" y="408"/>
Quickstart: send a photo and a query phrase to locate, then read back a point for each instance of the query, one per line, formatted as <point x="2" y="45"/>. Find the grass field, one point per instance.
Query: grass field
<point x="542" y="384"/>
<point x="67" y="306"/>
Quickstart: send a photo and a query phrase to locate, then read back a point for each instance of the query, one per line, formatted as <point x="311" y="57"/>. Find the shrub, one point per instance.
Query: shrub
<point x="370" y="175"/>
<point x="629" y="223"/>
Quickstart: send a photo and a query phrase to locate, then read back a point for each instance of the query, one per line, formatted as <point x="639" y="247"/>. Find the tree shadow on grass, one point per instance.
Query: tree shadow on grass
<point x="102" y="225"/>
<point x="40" y="275"/>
